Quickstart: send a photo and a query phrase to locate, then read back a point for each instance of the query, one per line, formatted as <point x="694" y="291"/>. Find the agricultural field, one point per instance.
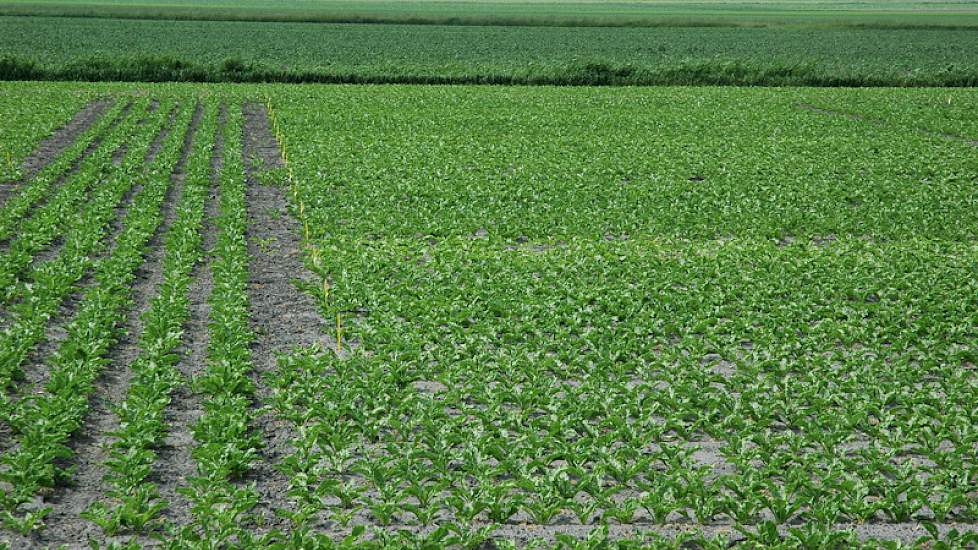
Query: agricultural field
<point x="240" y="316"/>
<point x="808" y="53"/>
<point x="577" y="13"/>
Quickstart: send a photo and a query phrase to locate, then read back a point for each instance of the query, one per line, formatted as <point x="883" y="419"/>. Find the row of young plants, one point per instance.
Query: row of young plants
<point x="48" y="283"/>
<point x="30" y="117"/>
<point x="44" y="421"/>
<point x="132" y="503"/>
<point x="48" y="221"/>
<point x="556" y="334"/>
<point x="40" y="186"/>
<point x="226" y="442"/>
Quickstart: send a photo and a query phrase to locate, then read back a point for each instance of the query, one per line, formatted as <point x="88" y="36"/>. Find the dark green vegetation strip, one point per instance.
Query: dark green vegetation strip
<point x="215" y="51"/>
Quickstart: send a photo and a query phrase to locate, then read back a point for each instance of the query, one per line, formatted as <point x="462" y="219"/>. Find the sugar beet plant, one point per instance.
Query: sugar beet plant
<point x="634" y="318"/>
<point x="39" y="186"/>
<point x="226" y="443"/>
<point x="46" y="284"/>
<point x="28" y="119"/>
<point x="49" y="220"/>
<point x="634" y="307"/>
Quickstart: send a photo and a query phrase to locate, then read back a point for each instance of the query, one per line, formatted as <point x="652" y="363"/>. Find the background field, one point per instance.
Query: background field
<point x="534" y="12"/>
<point x="813" y="43"/>
<point x="119" y="49"/>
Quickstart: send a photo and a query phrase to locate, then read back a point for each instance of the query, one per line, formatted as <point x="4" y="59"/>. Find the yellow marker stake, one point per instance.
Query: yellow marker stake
<point x="326" y="292"/>
<point x="307" y="229"/>
<point x="339" y="335"/>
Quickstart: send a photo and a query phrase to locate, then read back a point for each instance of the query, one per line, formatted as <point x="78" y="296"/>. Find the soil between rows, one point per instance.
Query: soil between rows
<point x="283" y="316"/>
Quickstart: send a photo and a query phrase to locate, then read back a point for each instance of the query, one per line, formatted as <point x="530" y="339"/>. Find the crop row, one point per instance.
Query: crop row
<point x="45" y="420"/>
<point x="133" y="503"/>
<point x="48" y="283"/>
<point x="28" y="119"/>
<point x="47" y="221"/>
<point x="41" y="185"/>
<point x="226" y="443"/>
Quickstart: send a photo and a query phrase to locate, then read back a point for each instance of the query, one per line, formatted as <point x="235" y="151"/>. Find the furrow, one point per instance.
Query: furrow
<point x="283" y="316"/>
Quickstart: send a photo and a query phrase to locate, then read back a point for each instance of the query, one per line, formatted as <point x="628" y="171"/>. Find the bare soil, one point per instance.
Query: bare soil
<point x="283" y="316"/>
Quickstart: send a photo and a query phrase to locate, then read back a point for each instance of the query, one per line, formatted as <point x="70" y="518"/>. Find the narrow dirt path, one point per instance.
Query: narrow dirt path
<point x="283" y="316"/>
<point x="91" y="445"/>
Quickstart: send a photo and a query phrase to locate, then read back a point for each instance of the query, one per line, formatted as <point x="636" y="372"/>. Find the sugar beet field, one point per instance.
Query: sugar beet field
<point x="487" y="317"/>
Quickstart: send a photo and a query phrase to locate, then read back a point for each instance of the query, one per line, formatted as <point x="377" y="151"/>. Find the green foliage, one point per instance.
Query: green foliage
<point x="45" y="420"/>
<point x="29" y="118"/>
<point x="221" y="51"/>
<point x="640" y="307"/>
<point x="572" y="318"/>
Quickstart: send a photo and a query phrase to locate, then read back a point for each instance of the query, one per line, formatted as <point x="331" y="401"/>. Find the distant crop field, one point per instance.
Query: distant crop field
<point x="877" y="13"/>
<point x="215" y="51"/>
<point x="238" y="316"/>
